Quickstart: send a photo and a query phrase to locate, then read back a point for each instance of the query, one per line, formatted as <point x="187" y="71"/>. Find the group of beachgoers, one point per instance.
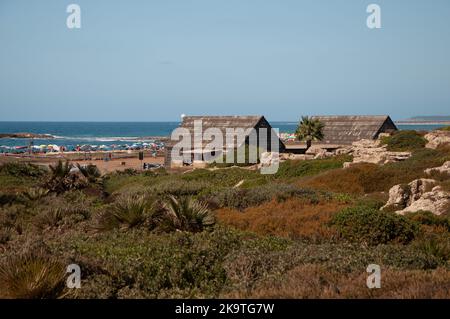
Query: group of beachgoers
<point x="53" y="148"/>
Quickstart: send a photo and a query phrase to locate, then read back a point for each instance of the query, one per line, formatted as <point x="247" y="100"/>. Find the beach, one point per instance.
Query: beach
<point x="119" y="160"/>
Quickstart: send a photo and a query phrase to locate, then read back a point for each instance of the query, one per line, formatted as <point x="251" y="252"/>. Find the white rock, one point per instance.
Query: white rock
<point x="445" y="168"/>
<point x="437" y="138"/>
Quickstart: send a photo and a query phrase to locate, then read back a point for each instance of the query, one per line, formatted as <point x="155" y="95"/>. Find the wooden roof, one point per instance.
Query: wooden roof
<point x="344" y="130"/>
<point x="225" y="122"/>
<point x="221" y="122"/>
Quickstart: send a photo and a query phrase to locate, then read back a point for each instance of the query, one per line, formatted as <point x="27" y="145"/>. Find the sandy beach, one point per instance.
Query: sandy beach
<point x="119" y="160"/>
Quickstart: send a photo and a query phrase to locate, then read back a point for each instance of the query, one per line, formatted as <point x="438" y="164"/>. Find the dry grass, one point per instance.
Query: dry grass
<point x="314" y="281"/>
<point x="294" y="218"/>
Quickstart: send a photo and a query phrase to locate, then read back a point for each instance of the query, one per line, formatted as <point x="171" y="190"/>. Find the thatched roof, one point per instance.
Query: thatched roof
<point x="225" y="122"/>
<point x="221" y="122"/>
<point x="344" y="130"/>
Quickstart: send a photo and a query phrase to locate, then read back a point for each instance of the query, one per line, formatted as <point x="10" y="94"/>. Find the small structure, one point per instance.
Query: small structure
<point x="341" y="130"/>
<point x="344" y="130"/>
<point x="224" y="124"/>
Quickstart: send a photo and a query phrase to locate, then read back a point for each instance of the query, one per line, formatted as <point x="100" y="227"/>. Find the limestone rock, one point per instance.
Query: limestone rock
<point x="436" y="201"/>
<point x="368" y="151"/>
<point x="437" y="138"/>
<point x="445" y="168"/>
<point x="420" y="194"/>
<point x="269" y="158"/>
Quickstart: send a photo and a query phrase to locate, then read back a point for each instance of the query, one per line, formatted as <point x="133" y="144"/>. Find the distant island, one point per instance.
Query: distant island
<point x="26" y="135"/>
<point x="426" y="120"/>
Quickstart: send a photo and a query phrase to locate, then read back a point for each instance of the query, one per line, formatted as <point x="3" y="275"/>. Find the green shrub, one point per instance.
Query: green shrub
<point x="430" y="219"/>
<point x="126" y="212"/>
<point x="179" y="187"/>
<point x="404" y="141"/>
<point x="184" y="214"/>
<point x="241" y="198"/>
<point x="19" y="169"/>
<point x="445" y="128"/>
<point x="141" y="264"/>
<point x="370" y="226"/>
<point x="308" y="168"/>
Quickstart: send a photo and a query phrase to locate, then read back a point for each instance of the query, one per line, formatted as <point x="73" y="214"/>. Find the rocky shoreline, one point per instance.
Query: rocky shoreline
<point x="26" y="135"/>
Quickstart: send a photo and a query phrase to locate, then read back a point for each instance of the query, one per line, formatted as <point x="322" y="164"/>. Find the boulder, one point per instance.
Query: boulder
<point x="436" y="201"/>
<point x="372" y="151"/>
<point x="444" y="169"/>
<point x="323" y="154"/>
<point x="437" y="138"/>
<point x="419" y="195"/>
<point x="269" y="158"/>
<point x="295" y="157"/>
<point x="314" y="150"/>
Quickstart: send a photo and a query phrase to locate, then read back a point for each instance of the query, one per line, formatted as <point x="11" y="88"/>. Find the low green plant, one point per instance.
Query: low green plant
<point x="186" y="214"/>
<point x="370" y="226"/>
<point x="404" y="141"/>
<point x="22" y="169"/>
<point x="125" y="213"/>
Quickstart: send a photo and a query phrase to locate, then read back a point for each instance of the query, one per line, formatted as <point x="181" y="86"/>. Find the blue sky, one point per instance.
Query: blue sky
<point x="154" y="60"/>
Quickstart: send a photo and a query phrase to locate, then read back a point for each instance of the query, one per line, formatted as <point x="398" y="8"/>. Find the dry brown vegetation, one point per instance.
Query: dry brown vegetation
<point x="315" y="281"/>
<point x="293" y="218"/>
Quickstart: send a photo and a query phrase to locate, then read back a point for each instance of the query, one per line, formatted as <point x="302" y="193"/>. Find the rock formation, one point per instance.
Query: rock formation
<point x="419" y="195"/>
<point x="444" y="169"/>
<point x="437" y="138"/>
<point x="368" y="151"/>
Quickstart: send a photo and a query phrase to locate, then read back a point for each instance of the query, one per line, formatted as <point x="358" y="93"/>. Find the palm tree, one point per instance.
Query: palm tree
<point x="309" y="130"/>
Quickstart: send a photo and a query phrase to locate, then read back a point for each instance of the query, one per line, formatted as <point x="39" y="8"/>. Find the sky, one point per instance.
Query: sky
<point x="154" y="60"/>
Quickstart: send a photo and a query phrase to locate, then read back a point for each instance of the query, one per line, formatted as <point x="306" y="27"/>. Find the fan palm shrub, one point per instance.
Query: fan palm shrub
<point x="186" y="214"/>
<point x="127" y="212"/>
<point x="32" y="276"/>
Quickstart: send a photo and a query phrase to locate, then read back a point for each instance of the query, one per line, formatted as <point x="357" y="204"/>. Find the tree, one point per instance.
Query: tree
<point x="309" y="130"/>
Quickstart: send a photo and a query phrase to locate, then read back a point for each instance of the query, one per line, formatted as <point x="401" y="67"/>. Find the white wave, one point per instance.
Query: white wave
<point x="104" y="139"/>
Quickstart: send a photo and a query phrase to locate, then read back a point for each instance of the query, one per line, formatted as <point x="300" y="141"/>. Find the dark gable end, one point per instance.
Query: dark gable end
<point x="344" y="130"/>
<point x="224" y="122"/>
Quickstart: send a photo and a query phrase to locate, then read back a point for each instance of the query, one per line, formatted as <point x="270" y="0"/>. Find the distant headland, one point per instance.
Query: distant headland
<point x="426" y="120"/>
<point x="26" y="135"/>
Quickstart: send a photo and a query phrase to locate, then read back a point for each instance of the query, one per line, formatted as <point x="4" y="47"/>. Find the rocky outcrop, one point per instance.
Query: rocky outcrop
<point x="368" y="151"/>
<point x="419" y="195"/>
<point x="437" y="138"/>
<point x="436" y="201"/>
<point x="268" y="159"/>
<point x="295" y="157"/>
<point x="444" y="169"/>
<point x="26" y="135"/>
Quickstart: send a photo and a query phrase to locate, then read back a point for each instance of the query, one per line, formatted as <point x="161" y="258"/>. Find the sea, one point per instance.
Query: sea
<point x="71" y="134"/>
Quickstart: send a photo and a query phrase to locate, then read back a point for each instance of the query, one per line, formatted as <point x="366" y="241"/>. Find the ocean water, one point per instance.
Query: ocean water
<point x="113" y="133"/>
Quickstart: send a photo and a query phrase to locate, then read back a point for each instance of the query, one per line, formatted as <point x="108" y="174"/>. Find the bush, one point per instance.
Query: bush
<point x="404" y="141"/>
<point x="32" y="276"/>
<point x="294" y="218"/>
<point x="430" y="219"/>
<point x="373" y="227"/>
<point x="185" y="214"/>
<point x="19" y="169"/>
<point x="241" y="198"/>
<point x="139" y="264"/>
<point x="308" y="168"/>
<point x="126" y="212"/>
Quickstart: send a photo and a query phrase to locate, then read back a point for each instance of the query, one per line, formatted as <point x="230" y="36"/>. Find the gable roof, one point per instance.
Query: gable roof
<point x="222" y="122"/>
<point x="226" y="122"/>
<point x="343" y="130"/>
